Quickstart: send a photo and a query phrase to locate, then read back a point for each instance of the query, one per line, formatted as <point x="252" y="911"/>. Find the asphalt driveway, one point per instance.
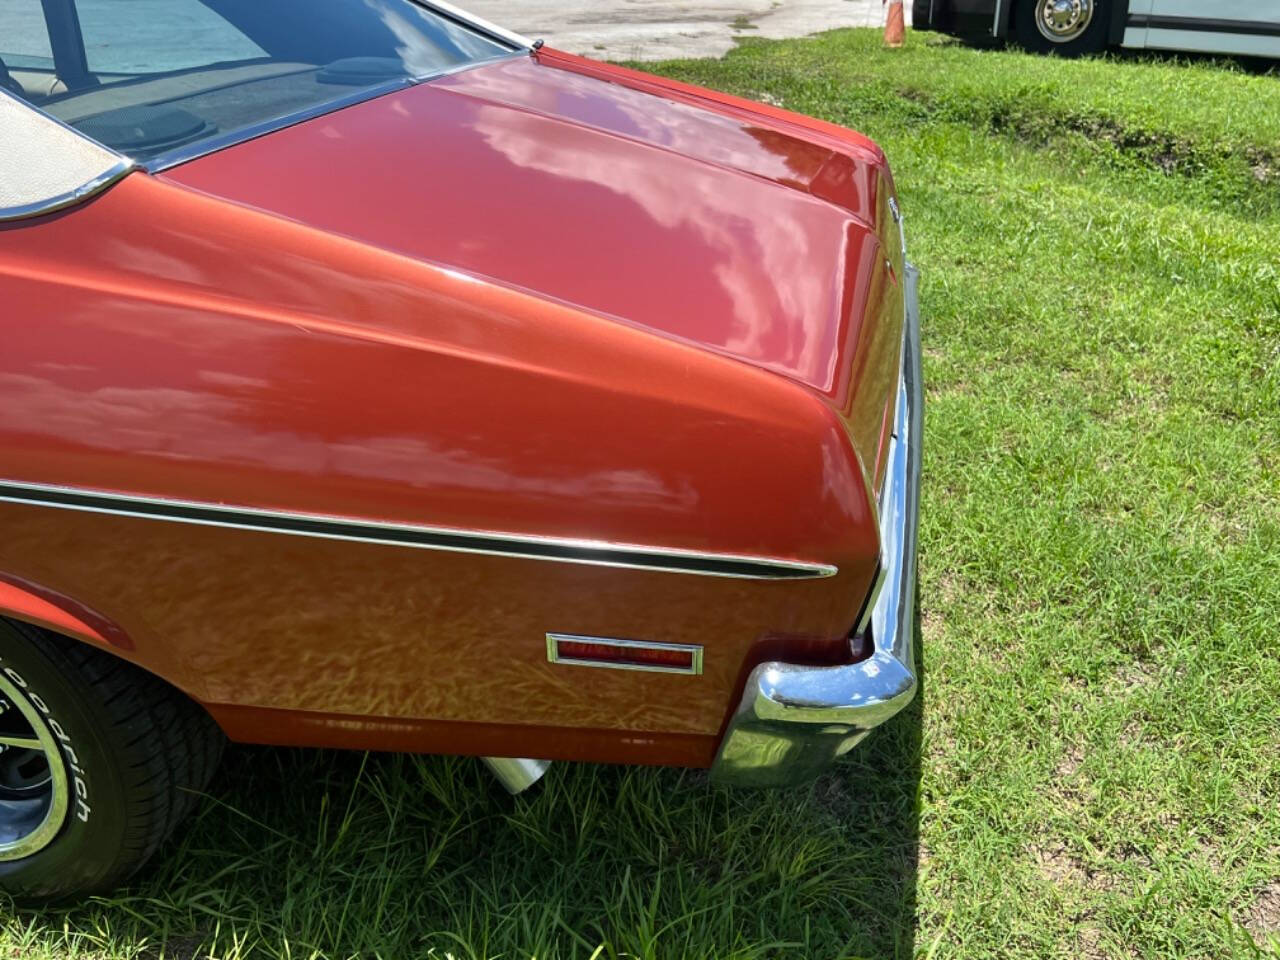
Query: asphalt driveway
<point x="665" y="29"/>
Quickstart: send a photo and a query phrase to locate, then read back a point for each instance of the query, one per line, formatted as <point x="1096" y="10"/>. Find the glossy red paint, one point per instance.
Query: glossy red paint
<point x="31" y="604"/>
<point x="583" y="189"/>
<point x="539" y="297"/>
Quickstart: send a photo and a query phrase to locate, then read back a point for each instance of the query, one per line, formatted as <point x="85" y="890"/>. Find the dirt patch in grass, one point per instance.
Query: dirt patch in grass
<point x="1134" y="734"/>
<point x="1264" y="165"/>
<point x="1132" y="677"/>
<point x="1069" y="789"/>
<point x="1069" y="764"/>
<point x="1210" y="854"/>
<point x="1170" y="153"/>
<point x="931" y="623"/>
<point x="1089" y="944"/>
<point x="1058" y="864"/>
<point x="1263" y="920"/>
<point x="764" y="96"/>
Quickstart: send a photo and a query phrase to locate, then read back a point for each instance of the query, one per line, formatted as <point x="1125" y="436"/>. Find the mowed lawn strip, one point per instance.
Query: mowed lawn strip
<point x="1093" y="768"/>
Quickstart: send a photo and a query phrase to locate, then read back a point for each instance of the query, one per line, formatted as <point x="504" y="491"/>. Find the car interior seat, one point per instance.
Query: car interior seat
<point x="8" y="83"/>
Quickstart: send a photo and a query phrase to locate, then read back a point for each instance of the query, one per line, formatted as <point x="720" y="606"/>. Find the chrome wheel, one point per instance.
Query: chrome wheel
<point x="1061" y="21"/>
<point x="33" y="775"/>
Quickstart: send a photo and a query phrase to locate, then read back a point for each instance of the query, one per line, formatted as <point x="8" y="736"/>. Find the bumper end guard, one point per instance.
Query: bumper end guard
<point x="794" y="720"/>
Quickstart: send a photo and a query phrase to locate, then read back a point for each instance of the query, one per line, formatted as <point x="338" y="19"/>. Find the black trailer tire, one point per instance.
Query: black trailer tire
<point x="1068" y="28"/>
<point x="920" y="15"/>
<point x="128" y="752"/>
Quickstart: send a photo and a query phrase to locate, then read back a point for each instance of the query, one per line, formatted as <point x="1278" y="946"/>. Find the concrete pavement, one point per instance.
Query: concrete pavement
<point x="663" y="29"/>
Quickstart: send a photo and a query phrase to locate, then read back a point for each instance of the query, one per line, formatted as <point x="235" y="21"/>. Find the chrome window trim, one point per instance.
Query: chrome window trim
<point x="122" y="168"/>
<point x="553" y="654"/>
<point x="479" y="23"/>
<point x="492" y="543"/>
<point x="232" y="138"/>
<point x="221" y="141"/>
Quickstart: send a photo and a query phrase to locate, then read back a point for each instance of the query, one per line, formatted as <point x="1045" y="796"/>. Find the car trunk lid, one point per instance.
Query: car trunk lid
<point x="712" y="226"/>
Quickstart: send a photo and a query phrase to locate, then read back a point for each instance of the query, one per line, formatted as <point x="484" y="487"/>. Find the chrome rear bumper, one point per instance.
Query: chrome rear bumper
<point x="795" y="720"/>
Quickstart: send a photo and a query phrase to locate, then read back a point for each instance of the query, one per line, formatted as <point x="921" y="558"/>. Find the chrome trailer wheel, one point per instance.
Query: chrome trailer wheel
<point x="1061" y="21"/>
<point x="1067" y="28"/>
<point x="33" y="774"/>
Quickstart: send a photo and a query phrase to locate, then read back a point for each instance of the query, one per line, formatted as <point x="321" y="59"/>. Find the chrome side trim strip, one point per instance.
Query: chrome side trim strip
<point x="524" y="546"/>
<point x="554" y="655"/>
<point x="83" y="192"/>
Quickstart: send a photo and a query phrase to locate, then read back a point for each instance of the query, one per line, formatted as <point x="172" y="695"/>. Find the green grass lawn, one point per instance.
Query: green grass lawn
<point x="1093" y="766"/>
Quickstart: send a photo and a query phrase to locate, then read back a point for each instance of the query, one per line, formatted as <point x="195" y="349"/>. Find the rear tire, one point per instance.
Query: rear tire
<point x="1068" y="28"/>
<point x="104" y="762"/>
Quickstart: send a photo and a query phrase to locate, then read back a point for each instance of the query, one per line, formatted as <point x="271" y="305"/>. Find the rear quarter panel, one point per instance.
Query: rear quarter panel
<point x="166" y="344"/>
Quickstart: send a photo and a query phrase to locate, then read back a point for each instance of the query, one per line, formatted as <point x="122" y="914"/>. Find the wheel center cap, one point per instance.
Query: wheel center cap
<point x="1063" y="13"/>
<point x="1063" y="20"/>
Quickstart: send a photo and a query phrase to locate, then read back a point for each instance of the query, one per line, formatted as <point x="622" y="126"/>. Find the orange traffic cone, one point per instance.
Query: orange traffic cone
<point x="894" y="30"/>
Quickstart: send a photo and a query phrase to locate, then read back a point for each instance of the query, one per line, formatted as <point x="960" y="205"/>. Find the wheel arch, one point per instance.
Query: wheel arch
<point x="1119" y="19"/>
<point x="39" y="606"/>
<point x="25" y="604"/>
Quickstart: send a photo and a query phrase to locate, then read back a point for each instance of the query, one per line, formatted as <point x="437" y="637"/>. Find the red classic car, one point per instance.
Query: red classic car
<point x="371" y="375"/>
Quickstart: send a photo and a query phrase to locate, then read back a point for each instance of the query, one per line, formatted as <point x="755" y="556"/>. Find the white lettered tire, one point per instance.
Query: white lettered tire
<point x="100" y="762"/>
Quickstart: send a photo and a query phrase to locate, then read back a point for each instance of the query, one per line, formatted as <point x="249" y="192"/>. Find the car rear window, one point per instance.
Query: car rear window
<point x="157" y="79"/>
<point x="132" y="37"/>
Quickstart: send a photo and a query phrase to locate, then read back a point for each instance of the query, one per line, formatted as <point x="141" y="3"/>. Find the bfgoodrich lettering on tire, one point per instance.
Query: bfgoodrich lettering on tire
<point x="99" y="761"/>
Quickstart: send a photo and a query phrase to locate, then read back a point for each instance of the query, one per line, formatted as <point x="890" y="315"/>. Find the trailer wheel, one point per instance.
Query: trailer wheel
<point x="1069" y="28"/>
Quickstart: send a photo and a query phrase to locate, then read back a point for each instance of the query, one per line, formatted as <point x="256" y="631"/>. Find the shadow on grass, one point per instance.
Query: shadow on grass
<point x="341" y="854"/>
